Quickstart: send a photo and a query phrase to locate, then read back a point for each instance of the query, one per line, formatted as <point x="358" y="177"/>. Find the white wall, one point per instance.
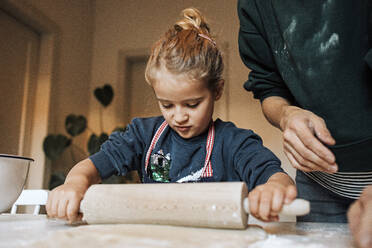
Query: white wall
<point x="70" y="92"/>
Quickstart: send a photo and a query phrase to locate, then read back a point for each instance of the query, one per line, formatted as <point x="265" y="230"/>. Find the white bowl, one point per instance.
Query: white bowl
<point x="13" y="175"/>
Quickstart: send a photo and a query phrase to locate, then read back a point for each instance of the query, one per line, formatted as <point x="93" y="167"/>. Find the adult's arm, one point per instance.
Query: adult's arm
<point x="305" y="134"/>
<point x="264" y="79"/>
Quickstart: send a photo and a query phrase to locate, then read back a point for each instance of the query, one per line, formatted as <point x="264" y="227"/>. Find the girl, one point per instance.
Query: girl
<point x="184" y="144"/>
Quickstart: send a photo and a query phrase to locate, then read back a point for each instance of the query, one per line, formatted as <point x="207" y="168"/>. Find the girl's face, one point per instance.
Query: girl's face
<point x="187" y="105"/>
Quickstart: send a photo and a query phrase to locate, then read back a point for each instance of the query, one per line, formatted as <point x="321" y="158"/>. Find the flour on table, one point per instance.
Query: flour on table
<point x="274" y="241"/>
<point x="150" y="236"/>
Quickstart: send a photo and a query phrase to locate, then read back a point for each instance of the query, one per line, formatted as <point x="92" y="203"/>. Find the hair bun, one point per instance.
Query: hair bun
<point x="193" y="19"/>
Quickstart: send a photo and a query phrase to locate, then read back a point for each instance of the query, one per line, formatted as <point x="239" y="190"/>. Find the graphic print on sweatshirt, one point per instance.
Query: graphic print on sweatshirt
<point x="160" y="166"/>
<point x="159" y="169"/>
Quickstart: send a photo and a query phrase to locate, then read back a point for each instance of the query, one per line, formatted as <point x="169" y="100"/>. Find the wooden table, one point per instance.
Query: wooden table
<point x="23" y="230"/>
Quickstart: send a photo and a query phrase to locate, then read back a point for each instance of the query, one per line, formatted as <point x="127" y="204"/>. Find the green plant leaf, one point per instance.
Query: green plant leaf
<point x="95" y="142"/>
<point x="104" y="94"/>
<point x="54" y="145"/>
<point x="75" y="125"/>
<point x="120" y="129"/>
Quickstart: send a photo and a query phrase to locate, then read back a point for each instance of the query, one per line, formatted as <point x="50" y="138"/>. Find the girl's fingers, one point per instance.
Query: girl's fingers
<point x="48" y="206"/>
<point x="282" y="197"/>
<point x="266" y="201"/>
<point x="62" y="206"/>
<point x="265" y="205"/>
<point x="277" y="202"/>
<point x="274" y="218"/>
<point x="254" y="201"/>
<point x="72" y="211"/>
<point x="64" y="203"/>
<point x="291" y="194"/>
<point x="54" y="207"/>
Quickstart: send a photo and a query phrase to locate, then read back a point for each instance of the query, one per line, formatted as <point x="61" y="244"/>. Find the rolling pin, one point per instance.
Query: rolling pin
<point x="213" y="205"/>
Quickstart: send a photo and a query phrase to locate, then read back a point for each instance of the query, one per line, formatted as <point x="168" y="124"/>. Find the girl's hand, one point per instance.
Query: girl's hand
<point x="64" y="202"/>
<point x="267" y="200"/>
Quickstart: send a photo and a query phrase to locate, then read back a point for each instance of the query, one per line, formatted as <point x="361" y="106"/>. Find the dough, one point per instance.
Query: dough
<point x="151" y="236"/>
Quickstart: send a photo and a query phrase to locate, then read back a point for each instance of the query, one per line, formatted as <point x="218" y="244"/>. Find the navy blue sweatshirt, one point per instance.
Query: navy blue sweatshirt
<point x="238" y="154"/>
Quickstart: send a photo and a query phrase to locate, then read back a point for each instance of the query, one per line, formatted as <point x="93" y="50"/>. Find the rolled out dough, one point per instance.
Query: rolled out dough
<point x="139" y="235"/>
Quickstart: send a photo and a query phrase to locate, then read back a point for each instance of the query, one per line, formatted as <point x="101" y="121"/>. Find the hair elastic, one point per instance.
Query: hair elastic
<point x="208" y="38"/>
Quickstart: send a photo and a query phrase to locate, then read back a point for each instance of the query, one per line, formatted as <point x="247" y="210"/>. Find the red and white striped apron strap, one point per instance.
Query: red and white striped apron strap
<point x="154" y="141"/>
<point x="207" y="169"/>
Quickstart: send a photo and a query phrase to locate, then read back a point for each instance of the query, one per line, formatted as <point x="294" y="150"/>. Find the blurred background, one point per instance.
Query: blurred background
<point x="55" y="53"/>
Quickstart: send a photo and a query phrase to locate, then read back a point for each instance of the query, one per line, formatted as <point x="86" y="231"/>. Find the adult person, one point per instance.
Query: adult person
<point x="360" y="219"/>
<point x="311" y="68"/>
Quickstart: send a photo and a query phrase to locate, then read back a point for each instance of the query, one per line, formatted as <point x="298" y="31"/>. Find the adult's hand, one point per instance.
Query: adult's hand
<point x="305" y="136"/>
<point x="360" y="219"/>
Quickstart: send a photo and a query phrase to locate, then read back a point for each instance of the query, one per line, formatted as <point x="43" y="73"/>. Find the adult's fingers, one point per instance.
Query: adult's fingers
<point x="362" y="229"/>
<point x="365" y="234"/>
<point x="353" y="216"/>
<point x="294" y="162"/>
<point x="321" y="131"/>
<point x="298" y="161"/>
<point x="307" y="136"/>
<point x="304" y="153"/>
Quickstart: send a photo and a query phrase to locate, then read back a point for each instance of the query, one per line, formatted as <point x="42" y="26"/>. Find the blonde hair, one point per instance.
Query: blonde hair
<point x="187" y="48"/>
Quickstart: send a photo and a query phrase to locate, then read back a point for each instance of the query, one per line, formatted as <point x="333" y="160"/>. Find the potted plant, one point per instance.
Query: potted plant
<point x="54" y="145"/>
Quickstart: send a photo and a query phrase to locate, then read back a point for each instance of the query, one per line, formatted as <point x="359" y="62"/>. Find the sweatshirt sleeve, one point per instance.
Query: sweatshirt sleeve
<point x="254" y="163"/>
<point x="264" y="80"/>
<point x="123" y="151"/>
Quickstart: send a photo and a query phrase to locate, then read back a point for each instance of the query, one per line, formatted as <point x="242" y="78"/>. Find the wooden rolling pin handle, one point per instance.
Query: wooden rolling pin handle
<point x="297" y="207"/>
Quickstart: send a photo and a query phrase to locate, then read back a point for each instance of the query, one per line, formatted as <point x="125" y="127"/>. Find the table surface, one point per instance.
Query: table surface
<point x="21" y="229"/>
